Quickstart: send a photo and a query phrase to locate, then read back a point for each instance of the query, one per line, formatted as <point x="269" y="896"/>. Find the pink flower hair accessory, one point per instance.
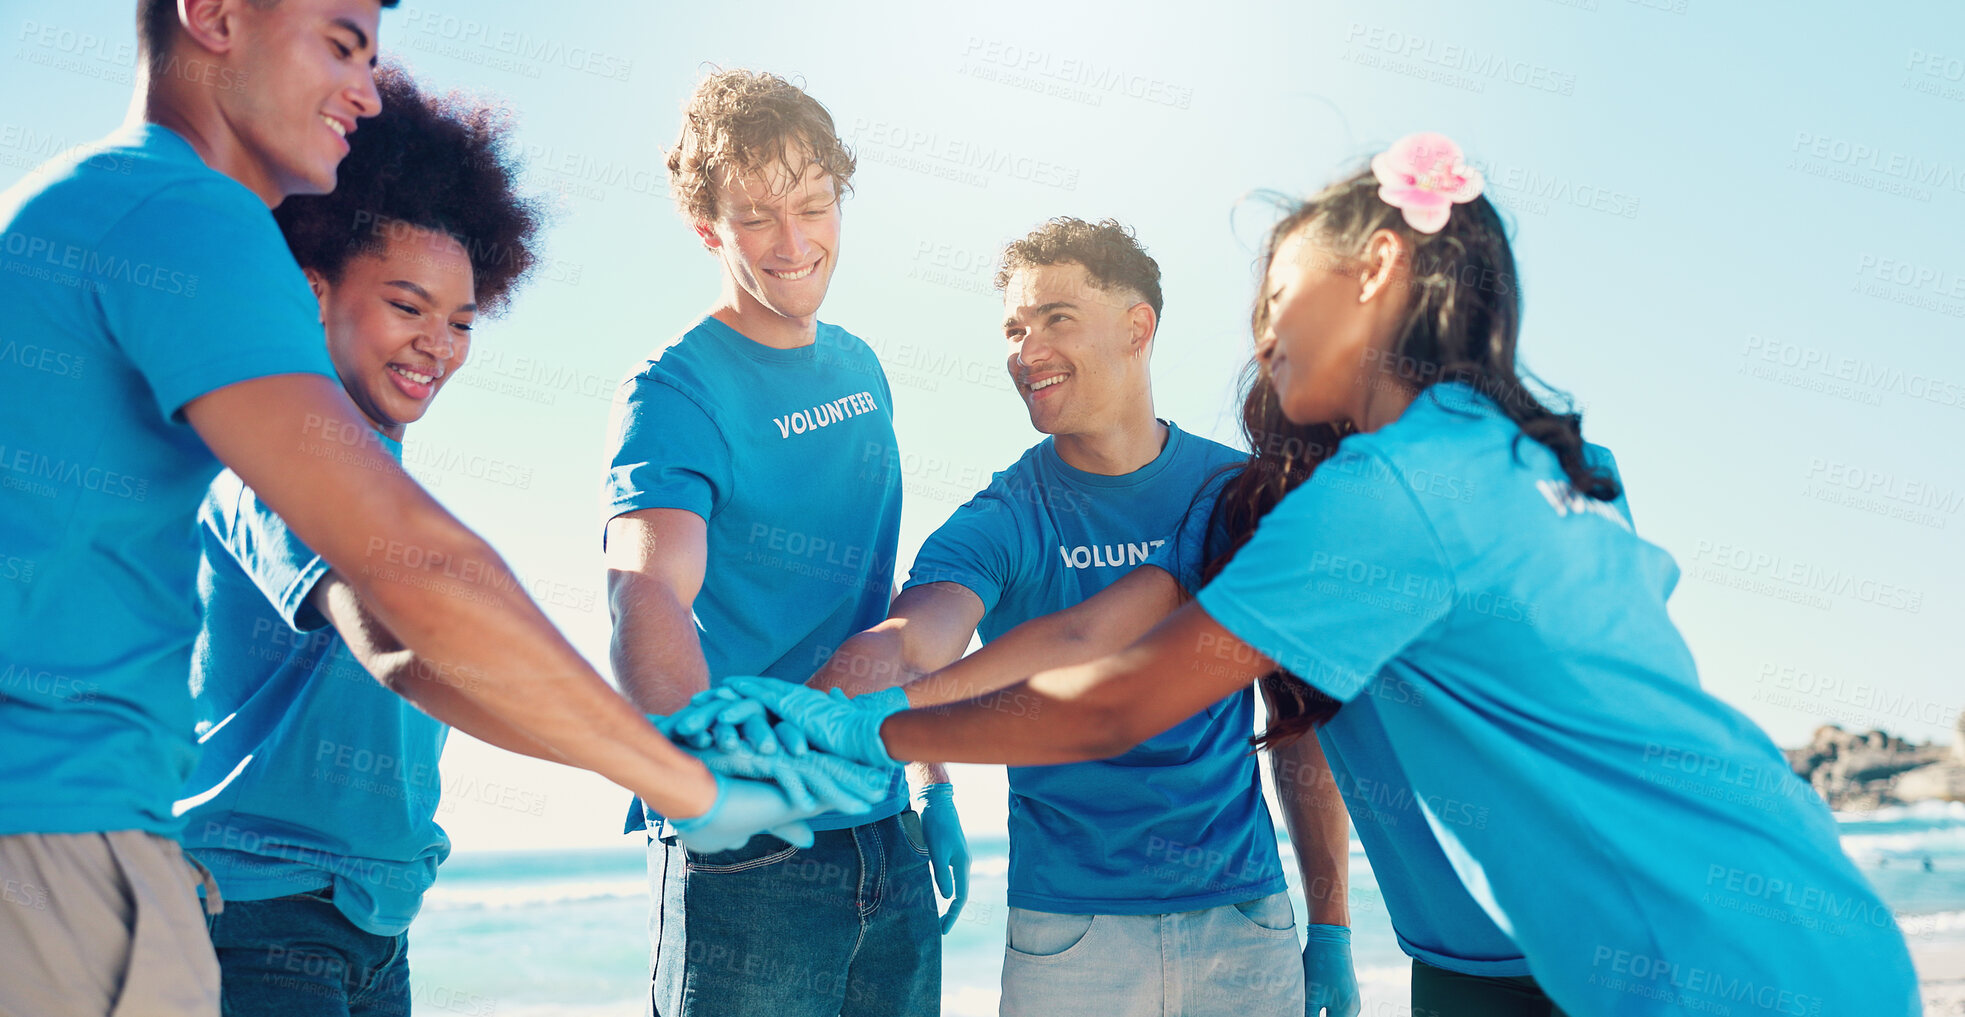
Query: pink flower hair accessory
<point x="1423" y="176"/>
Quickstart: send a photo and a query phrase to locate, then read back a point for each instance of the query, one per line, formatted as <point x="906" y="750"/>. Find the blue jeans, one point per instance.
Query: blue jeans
<point x="299" y="956"/>
<point x="1236" y="960"/>
<point x="844" y="928"/>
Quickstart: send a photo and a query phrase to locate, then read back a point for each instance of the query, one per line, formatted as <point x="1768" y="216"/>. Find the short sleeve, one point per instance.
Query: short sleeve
<point x="666" y="452"/>
<point x="197" y="287"/>
<point x="973" y="549"/>
<point x="1186" y="554"/>
<point x="1340" y="577"/>
<point x="258" y="541"/>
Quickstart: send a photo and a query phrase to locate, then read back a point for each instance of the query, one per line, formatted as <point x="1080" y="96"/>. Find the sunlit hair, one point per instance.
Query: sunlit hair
<point x="1462" y="320"/>
<point x="156" y="21"/>
<point x="1111" y="254"/>
<point x="441" y="163"/>
<point x="741" y="123"/>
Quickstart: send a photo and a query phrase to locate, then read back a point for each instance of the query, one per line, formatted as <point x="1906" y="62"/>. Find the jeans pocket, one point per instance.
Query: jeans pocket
<point x="1271" y="915"/>
<point x="911" y="829"/>
<point x="760" y="851"/>
<point x="1043" y="935"/>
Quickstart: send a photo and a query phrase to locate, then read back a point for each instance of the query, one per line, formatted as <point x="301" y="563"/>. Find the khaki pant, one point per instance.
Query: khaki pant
<point x="102" y="925"/>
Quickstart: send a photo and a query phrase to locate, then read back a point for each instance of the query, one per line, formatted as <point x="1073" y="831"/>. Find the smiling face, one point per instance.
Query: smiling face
<point x="778" y="238"/>
<point x="1327" y="319"/>
<point x="1077" y="353"/>
<point x="399" y="324"/>
<point x="302" y="76"/>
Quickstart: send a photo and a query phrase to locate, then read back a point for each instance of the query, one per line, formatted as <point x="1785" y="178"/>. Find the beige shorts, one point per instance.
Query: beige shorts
<point x="102" y="925"/>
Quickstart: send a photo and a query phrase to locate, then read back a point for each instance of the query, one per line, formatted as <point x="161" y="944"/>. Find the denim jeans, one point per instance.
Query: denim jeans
<point x="1236" y="960"/>
<point x="844" y="928"/>
<point x="298" y="956"/>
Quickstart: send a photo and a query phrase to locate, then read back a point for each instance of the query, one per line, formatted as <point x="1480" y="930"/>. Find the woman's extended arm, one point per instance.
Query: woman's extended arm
<point x="1087" y="711"/>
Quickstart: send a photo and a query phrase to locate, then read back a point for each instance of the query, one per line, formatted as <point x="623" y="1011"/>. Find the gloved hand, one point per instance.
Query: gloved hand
<point x="743" y="809"/>
<point x="816" y="781"/>
<point x="717" y="717"/>
<point x="830" y="721"/>
<point x="1329" y="981"/>
<point x="948" y="849"/>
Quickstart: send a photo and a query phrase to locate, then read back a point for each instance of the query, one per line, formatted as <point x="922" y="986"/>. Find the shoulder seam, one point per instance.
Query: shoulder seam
<point x="715" y="424"/>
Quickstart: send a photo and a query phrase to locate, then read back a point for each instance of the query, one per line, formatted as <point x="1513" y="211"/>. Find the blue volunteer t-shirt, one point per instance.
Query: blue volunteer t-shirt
<point x="1177" y="823"/>
<point x="313" y="773"/>
<point x="133" y="279"/>
<point x="1644" y="844"/>
<point x="789" y="457"/>
<point x="1433" y="916"/>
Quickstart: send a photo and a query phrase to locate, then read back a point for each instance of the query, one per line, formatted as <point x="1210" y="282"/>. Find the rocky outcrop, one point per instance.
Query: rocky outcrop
<point x="1868" y="769"/>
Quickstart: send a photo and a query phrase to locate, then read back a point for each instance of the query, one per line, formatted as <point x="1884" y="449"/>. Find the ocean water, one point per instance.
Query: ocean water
<point x="530" y="934"/>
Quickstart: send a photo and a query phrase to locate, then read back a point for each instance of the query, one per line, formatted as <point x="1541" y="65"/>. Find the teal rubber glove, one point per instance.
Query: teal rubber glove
<point x="816" y="781"/>
<point x="948" y="849"/>
<point x="742" y="810"/>
<point x="1329" y="981"/>
<point x="830" y="721"/>
<point x="719" y="718"/>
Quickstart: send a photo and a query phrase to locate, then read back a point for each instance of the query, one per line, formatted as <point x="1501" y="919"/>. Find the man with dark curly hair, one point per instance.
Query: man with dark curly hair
<point x="1162" y="858"/>
<point x="173" y="333"/>
<point x="734" y="547"/>
<point x="314" y="802"/>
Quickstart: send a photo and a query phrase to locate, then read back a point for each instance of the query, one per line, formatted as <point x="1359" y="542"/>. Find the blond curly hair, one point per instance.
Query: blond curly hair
<point x="739" y="122"/>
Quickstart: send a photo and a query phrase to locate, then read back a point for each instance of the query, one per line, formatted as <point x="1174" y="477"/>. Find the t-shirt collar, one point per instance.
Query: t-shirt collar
<point x="1142" y="475"/>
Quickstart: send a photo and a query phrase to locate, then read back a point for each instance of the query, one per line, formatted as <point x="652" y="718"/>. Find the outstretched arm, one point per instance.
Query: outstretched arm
<point x="1103" y="623"/>
<point x="432" y="582"/>
<point x="927" y="627"/>
<point x="442" y="692"/>
<point x="1088" y="711"/>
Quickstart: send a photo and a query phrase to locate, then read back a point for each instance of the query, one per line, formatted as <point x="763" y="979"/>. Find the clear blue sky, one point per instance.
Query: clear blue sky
<point x="1738" y="232"/>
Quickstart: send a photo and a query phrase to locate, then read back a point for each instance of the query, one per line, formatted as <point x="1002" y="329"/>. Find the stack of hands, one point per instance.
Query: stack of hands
<point x="783" y="753"/>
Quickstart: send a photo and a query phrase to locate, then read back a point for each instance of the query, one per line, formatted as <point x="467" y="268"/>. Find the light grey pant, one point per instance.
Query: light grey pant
<point x="1236" y="960"/>
<point x="102" y="925"/>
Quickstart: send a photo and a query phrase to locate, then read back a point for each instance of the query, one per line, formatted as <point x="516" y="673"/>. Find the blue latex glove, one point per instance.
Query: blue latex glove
<point x="742" y="810"/>
<point x="720" y="718"/>
<point x="831" y="722"/>
<point x="822" y="783"/>
<point x="1329" y="981"/>
<point x="948" y="849"/>
<point x="815" y="781"/>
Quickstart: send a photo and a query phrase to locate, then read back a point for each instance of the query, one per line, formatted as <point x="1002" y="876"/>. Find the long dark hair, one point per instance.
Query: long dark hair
<point x="1281" y="456"/>
<point x="1462" y="319"/>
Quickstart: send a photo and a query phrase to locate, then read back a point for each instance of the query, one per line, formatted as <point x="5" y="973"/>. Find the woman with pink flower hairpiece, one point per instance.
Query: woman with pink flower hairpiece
<point x="1458" y="569"/>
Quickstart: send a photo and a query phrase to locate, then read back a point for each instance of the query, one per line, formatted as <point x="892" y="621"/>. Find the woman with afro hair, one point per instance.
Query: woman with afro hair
<point x="314" y="804"/>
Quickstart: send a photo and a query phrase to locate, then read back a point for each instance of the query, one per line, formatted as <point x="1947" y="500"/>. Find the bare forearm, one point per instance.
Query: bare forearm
<point x="924" y="774"/>
<point x="439" y="690"/>
<point x="1107" y="622"/>
<point x="870" y="661"/>
<point x="1058" y="716"/>
<point x="1313" y="811"/>
<point x="431" y="582"/>
<point x="656" y="656"/>
<point x="1089" y="711"/>
<point x="446" y="696"/>
<point x="458" y="603"/>
<point x="1036" y="645"/>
